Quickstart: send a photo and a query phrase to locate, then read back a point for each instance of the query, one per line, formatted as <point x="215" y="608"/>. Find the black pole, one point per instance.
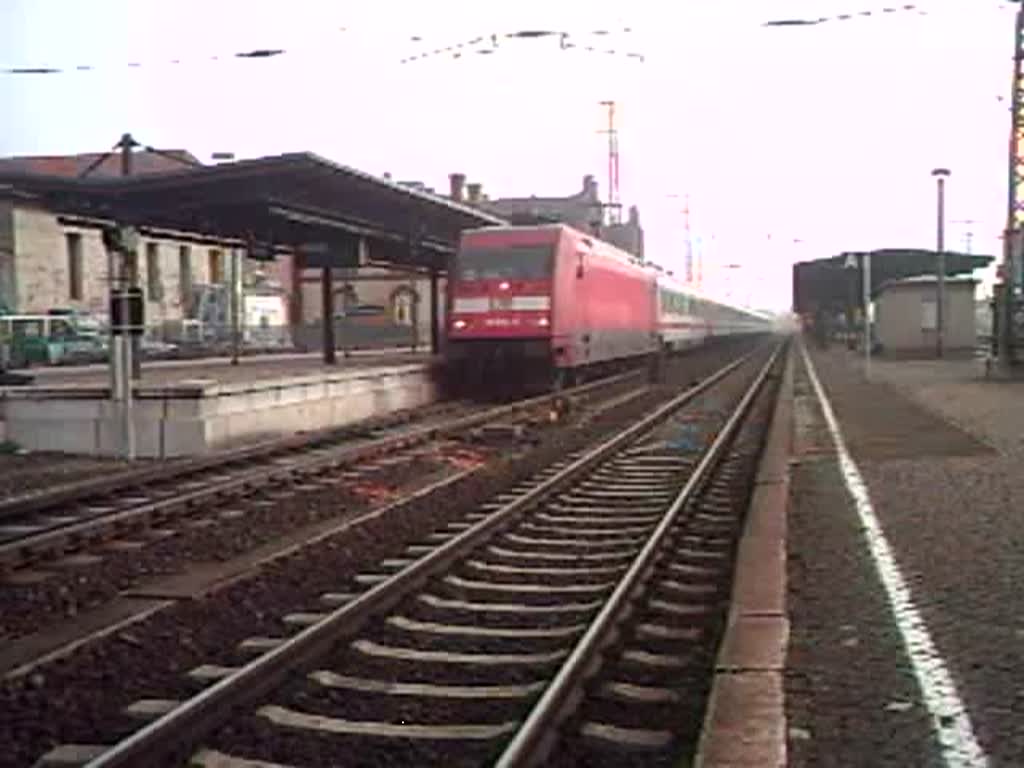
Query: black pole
<point x="940" y="175"/>
<point x="327" y="302"/>
<point x="435" y="313"/>
<point x="126" y="145"/>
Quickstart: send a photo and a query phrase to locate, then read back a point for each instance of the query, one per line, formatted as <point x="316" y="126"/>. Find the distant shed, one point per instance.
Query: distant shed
<point x="905" y="315"/>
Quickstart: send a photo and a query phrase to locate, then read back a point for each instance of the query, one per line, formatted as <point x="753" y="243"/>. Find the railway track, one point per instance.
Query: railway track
<point x="68" y="519"/>
<point x="479" y="643"/>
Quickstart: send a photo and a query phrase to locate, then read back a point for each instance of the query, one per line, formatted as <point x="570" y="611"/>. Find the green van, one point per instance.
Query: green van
<point x="59" y="336"/>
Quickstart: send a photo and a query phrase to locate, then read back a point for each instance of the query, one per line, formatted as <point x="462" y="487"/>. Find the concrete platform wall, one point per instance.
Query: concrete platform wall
<point x="195" y="417"/>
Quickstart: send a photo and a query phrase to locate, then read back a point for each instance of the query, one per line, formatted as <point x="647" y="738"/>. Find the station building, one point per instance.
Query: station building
<point x="906" y="318"/>
<point x="53" y="258"/>
<point x="49" y="258"/>
<point x="828" y="294"/>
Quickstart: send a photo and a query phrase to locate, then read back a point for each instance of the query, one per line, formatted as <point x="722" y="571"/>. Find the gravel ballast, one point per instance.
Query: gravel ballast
<point x="78" y="699"/>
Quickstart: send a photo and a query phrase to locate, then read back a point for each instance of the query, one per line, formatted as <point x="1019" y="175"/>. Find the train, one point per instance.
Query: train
<point x="543" y="307"/>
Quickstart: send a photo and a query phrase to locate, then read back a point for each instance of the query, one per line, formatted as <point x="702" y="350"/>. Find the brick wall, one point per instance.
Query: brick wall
<point x="39" y="273"/>
<point x="41" y="265"/>
<point x="35" y="271"/>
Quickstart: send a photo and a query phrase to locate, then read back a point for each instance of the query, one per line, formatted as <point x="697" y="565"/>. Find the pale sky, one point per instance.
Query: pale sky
<point x="824" y="134"/>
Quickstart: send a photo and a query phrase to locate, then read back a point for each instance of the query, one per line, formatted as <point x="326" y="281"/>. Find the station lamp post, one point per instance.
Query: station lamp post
<point x="940" y="174"/>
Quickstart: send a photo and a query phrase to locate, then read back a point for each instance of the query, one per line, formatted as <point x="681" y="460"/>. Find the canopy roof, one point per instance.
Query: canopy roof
<point x="831" y="285"/>
<point x="290" y="201"/>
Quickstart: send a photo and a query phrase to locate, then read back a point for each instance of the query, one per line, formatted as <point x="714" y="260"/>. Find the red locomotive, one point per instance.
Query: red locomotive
<point x="541" y="305"/>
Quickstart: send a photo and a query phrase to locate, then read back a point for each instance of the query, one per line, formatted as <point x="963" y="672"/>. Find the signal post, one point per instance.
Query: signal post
<point x="127" y="324"/>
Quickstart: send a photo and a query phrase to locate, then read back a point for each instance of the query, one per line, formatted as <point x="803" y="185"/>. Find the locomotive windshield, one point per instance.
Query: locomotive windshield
<point x="532" y="262"/>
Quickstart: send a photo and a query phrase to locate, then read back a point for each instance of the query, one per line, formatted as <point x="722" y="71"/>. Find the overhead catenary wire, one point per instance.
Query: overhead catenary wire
<point x="491" y="43"/>
<point x="848" y="16"/>
<point x="926" y="8"/>
<point x="256" y="53"/>
<point x="481" y="44"/>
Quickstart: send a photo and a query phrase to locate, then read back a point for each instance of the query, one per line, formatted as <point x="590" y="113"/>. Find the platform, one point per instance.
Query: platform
<point x="904" y="550"/>
<point x="904" y="591"/>
<point x="194" y="407"/>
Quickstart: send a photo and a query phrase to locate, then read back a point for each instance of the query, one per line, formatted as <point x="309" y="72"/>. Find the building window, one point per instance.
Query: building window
<point x="154" y="284"/>
<point x="403" y="306"/>
<point x="185" y="274"/>
<point x="216" y="265"/>
<point x="346" y="300"/>
<point x="929" y="315"/>
<point x="75" y="278"/>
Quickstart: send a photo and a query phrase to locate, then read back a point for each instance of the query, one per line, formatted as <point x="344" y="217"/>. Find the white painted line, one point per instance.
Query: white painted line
<point x="960" y="748"/>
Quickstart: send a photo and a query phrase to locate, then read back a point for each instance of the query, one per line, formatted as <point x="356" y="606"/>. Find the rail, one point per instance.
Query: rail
<point x="36" y="502"/>
<point x="533" y="739"/>
<point x="16" y="551"/>
<point x="188" y="723"/>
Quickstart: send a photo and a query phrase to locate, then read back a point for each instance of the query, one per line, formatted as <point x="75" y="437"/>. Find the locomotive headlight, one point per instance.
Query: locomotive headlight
<point x="458" y="325"/>
<point x="543" y="322"/>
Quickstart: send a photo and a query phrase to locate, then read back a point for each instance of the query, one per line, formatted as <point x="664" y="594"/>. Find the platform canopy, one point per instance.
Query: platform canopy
<point x="293" y="201"/>
<point x="835" y="284"/>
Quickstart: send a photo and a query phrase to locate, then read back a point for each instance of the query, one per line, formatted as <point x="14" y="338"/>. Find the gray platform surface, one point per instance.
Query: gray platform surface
<point x="939" y="449"/>
<point x="220" y="369"/>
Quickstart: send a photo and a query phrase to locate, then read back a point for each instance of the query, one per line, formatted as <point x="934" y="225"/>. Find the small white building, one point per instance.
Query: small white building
<point x="906" y="318"/>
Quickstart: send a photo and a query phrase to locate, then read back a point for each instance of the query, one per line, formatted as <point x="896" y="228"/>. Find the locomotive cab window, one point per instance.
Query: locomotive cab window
<point x="505" y="263"/>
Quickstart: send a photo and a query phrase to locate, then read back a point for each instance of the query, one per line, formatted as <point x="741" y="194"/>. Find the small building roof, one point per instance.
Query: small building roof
<point x="922" y="280"/>
<point x="72" y="166"/>
<point x="932" y="279"/>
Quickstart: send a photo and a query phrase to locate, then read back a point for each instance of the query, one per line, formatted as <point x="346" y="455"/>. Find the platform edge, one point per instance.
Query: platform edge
<point x="741" y="729"/>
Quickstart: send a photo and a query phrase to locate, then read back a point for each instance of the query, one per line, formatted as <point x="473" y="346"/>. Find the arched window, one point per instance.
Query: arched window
<point x="403" y="306"/>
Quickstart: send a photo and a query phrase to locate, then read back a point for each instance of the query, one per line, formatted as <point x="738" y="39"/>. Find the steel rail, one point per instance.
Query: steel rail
<point x="187" y="724"/>
<point x="264" y="450"/>
<point x="535" y="737"/>
<point x="17" y="551"/>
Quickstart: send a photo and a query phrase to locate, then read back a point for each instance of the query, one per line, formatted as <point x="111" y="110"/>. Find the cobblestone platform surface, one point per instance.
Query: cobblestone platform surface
<point x="942" y="471"/>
